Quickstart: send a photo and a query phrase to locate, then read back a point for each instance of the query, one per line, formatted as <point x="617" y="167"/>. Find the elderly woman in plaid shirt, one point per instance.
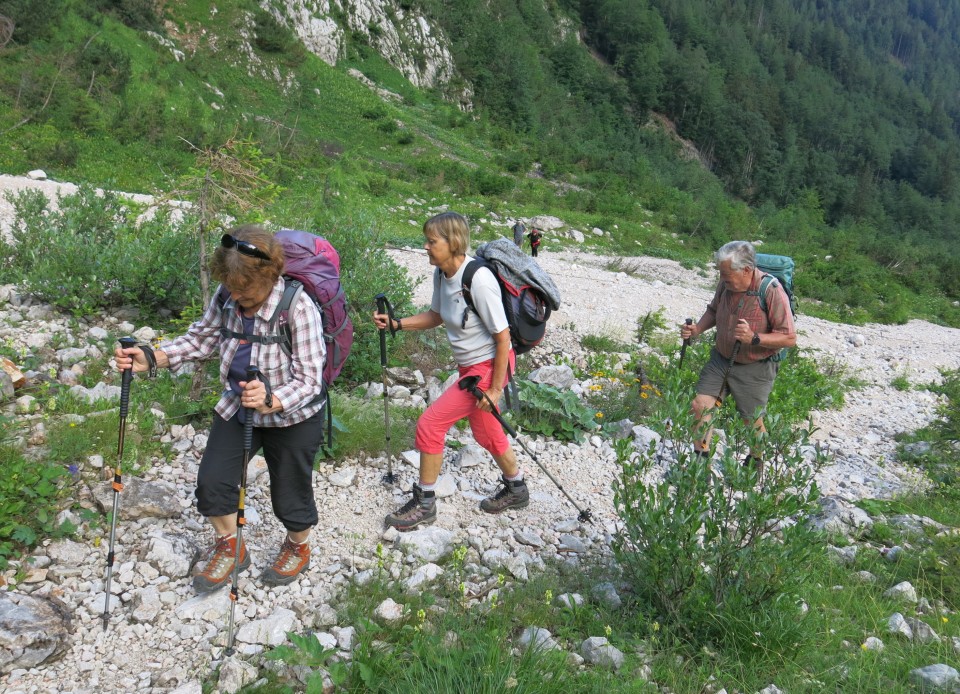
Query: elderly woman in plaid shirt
<point x="288" y="427"/>
<point x="739" y="318"/>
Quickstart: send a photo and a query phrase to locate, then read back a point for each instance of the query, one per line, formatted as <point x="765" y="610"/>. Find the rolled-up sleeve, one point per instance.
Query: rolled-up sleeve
<point x="200" y="340"/>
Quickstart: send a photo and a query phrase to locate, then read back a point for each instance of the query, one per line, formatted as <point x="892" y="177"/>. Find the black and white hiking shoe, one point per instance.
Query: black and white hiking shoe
<point x="510" y="495"/>
<point x="420" y="510"/>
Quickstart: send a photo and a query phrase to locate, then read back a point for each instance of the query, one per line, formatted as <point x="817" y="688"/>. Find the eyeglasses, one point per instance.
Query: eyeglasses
<point x="244" y="247"/>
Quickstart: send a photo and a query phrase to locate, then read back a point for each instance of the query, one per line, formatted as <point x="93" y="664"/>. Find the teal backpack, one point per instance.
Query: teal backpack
<point x="779" y="268"/>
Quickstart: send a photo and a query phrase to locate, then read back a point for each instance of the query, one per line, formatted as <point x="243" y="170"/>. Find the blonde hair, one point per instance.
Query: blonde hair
<point x="452" y="228"/>
<point x="239" y="272"/>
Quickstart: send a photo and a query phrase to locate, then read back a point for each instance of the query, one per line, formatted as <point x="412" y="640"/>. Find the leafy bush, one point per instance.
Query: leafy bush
<point x="948" y="427"/>
<point x="136" y="14"/>
<point x="91" y="255"/>
<point x="620" y="397"/>
<point x="33" y="19"/>
<point x="555" y="413"/>
<point x="715" y="548"/>
<point x="601" y="343"/>
<point x="365" y="271"/>
<point x="805" y="384"/>
<point x="29" y="496"/>
<point x="270" y="36"/>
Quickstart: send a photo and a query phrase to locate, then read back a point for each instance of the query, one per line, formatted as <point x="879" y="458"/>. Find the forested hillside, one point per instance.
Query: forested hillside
<point x="829" y="130"/>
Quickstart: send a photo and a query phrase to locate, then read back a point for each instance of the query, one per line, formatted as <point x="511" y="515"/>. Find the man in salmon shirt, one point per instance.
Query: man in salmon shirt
<point x="746" y="333"/>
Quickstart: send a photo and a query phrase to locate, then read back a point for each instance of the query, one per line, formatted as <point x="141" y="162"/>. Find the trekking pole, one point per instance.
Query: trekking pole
<point x="686" y="343"/>
<point x="253" y="374"/>
<point x="126" y="377"/>
<point x="384" y="306"/>
<point x="470" y="383"/>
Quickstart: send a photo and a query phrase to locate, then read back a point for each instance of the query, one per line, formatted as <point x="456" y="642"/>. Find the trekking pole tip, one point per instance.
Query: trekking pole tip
<point x="586" y="516"/>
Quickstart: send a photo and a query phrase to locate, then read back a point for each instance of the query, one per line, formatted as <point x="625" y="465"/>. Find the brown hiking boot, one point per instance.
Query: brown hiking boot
<point x="420" y="510"/>
<point x="510" y="495"/>
<point x="293" y="560"/>
<point x="219" y="569"/>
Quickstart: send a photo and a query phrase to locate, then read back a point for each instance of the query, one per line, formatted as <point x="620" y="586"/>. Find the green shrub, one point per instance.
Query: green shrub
<point x="365" y="271"/>
<point x="804" y="384"/>
<point x="555" y="413"/>
<point x="270" y="36"/>
<point x="30" y="492"/>
<point x="901" y="382"/>
<point x="491" y="183"/>
<point x="715" y="548"/>
<point x="90" y="255"/>
<point x="601" y="343"/>
<point x="620" y="397"/>
<point x="33" y="19"/>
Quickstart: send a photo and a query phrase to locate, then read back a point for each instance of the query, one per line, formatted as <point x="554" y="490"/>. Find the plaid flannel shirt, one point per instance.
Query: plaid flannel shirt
<point x="295" y="380"/>
<point x="730" y="307"/>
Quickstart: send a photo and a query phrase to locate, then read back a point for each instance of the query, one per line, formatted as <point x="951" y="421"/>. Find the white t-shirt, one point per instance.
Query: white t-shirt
<point x="472" y="342"/>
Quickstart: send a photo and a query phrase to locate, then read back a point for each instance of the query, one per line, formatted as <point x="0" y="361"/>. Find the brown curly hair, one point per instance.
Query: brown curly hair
<point x="240" y="272"/>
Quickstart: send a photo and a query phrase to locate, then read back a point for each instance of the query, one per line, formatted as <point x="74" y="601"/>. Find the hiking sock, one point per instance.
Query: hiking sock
<point x="427" y="487"/>
<point x="516" y="478"/>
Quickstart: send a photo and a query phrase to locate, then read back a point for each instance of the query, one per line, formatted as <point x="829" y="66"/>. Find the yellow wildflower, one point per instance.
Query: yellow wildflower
<point x="599" y="415"/>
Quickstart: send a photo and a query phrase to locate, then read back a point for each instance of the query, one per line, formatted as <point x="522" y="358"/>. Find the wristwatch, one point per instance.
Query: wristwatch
<point x="756" y="339"/>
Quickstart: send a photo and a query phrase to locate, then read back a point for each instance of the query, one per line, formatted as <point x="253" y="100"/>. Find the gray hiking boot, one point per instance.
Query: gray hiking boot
<point x="420" y="510"/>
<point x="510" y="495"/>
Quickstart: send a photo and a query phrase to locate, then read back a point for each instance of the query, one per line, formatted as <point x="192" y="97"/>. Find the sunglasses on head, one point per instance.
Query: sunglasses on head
<point x="244" y="247"/>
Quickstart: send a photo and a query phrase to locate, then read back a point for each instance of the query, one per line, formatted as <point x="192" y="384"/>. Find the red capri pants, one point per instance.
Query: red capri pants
<point x="454" y="405"/>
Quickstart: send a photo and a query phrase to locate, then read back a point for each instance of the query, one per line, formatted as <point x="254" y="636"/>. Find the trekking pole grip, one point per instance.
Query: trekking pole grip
<point x="253" y="374"/>
<point x="381" y="309"/>
<point x="384" y="306"/>
<point x="126" y="377"/>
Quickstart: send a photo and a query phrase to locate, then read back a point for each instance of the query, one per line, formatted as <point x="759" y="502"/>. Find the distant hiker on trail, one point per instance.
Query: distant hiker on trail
<point x="741" y="361"/>
<point x="518" y="232"/>
<point x="286" y="410"/>
<point x="535" y="236"/>
<point x="481" y="346"/>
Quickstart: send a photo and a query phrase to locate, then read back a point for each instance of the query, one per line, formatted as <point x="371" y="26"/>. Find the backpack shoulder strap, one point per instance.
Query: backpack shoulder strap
<point x="281" y="316"/>
<point x="762" y="291"/>
<point x="277" y="334"/>
<point x="466" y="280"/>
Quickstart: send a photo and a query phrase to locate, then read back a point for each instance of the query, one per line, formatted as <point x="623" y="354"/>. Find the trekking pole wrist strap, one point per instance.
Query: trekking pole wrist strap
<point x="399" y="325"/>
<point x="151" y="359"/>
